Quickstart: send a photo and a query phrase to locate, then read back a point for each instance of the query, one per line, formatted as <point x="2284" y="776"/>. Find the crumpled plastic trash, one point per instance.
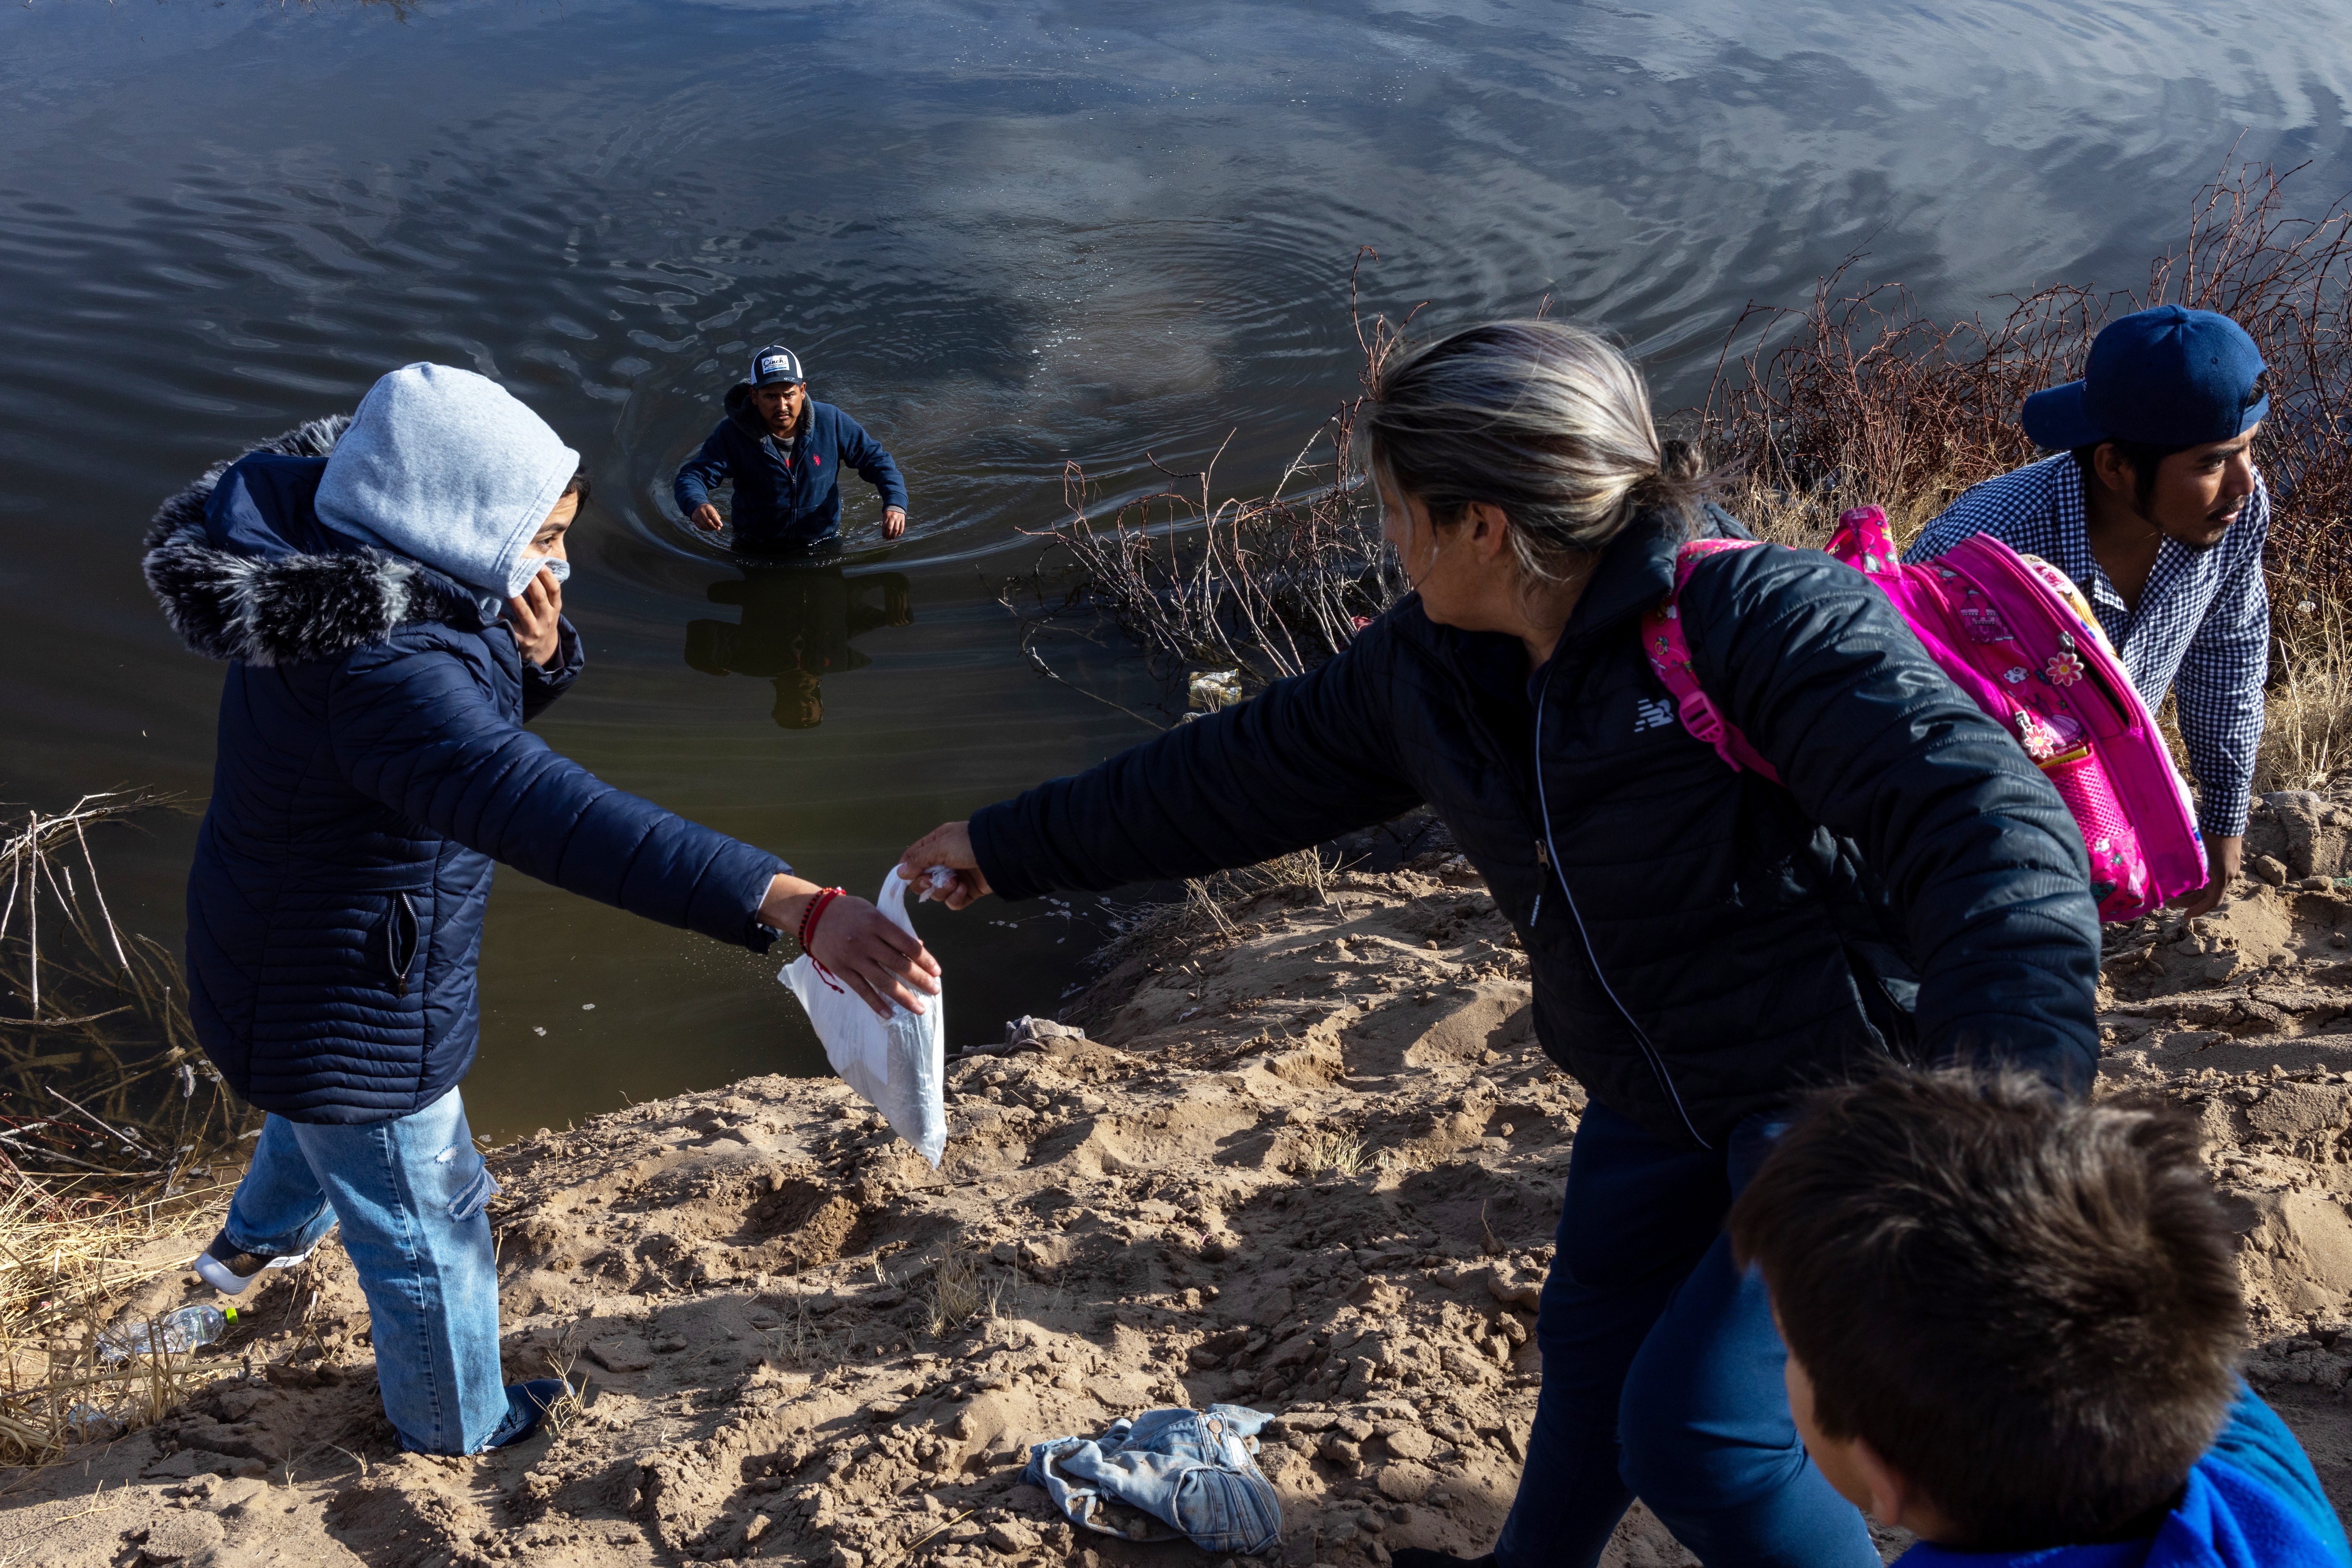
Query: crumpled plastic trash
<point x="1213" y="688"/>
<point x="898" y="1064"/>
<point x="1030" y="1034"/>
<point x="1194" y="1470"/>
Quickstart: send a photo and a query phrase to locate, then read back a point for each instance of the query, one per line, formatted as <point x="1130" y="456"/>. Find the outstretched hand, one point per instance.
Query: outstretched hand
<point x="860" y="945"/>
<point x="948" y="845"/>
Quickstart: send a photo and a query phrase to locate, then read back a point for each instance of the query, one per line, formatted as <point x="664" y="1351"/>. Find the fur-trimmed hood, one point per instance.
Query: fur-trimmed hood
<point x="263" y="598"/>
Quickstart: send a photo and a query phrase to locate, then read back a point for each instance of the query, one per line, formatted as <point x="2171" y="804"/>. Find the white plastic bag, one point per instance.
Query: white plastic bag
<point x="898" y="1065"/>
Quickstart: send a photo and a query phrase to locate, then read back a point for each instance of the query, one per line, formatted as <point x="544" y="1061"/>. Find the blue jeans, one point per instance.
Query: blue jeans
<point x="409" y="1193"/>
<point x="1191" y="1468"/>
<point x="1662" y="1373"/>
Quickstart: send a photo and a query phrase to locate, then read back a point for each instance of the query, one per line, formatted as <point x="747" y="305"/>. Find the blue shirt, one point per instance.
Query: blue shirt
<point x="2203" y="624"/>
<point x="2251" y="1502"/>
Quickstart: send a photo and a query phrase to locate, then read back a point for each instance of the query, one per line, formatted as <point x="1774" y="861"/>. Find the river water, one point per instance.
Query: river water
<point x="1004" y="237"/>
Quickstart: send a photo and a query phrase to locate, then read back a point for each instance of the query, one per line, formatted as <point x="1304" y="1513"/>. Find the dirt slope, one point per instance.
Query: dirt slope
<point x="1311" y="1165"/>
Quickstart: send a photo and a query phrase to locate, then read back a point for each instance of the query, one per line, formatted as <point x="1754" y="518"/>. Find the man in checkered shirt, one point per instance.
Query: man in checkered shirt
<point x="2154" y="507"/>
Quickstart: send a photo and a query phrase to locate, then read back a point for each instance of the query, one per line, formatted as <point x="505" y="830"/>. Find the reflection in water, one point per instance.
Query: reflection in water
<point x="796" y="629"/>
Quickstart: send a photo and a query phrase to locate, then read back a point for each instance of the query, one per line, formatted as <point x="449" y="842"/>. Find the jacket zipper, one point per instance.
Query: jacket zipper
<point x="399" y="965"/>
<point x="1547" y="855"/>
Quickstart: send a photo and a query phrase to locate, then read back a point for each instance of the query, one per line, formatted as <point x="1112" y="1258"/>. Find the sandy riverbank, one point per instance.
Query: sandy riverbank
<point x="1312" y="1165"/>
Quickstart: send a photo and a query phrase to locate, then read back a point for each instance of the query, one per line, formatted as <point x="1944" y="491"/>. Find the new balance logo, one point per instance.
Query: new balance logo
<point x="1651" y="713"/>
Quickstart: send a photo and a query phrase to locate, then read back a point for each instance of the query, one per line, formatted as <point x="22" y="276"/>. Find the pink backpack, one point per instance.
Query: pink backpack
<point x="2015" y="635"/>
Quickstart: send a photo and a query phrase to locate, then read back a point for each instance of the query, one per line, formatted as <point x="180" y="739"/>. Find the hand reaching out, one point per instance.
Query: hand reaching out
<point x="948" y="845"/>
<point x="859" y="944"/>
<point x="894" y="521"/>
<point x="706" y="518"/>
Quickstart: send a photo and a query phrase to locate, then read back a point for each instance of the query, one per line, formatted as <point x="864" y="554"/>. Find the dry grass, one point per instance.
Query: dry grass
<point x="1213" y="906"/>
<point x="1299" y="869"/>
<point x="2307" y="711"/>
<point x="798" y="1339"/>
<point x="562" y="1361"/>
<point x="67" y="1260"/>
<point x="110" y="1128"/>
<point x="1333" y="1152"/>
<point x="961" y="1288"/>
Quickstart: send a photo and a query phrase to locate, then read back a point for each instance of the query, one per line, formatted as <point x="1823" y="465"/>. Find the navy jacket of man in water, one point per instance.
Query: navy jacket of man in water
<point x="1704" y="941"/>
<point x="372" y="765"/>
<point x="788" y="494"/>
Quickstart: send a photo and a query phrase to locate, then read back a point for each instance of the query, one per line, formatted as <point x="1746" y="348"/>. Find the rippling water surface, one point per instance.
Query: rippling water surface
<point x="1002" y="237"/>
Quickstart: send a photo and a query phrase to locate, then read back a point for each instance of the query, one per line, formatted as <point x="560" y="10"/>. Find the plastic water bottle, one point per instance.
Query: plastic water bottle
<point x="175" y="1332"/>
<point x="88" y="1423"/>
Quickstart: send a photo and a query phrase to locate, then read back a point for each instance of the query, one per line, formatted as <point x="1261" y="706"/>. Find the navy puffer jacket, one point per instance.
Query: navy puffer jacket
<point x="372" y="765"/>
<point x="1703" y="942"/>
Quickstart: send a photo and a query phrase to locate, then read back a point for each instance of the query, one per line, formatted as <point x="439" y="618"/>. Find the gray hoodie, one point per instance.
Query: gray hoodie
<point x="448" y="468"/>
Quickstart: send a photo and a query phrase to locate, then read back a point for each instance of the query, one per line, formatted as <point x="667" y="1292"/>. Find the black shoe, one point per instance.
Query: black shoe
<point x="1424" y="1557"/>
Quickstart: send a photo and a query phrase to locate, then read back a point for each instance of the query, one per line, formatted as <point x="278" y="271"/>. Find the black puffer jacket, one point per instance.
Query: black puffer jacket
<point x="1711" y="941"/>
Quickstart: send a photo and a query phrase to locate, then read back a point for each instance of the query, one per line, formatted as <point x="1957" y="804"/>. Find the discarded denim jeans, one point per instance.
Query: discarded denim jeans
<point x="1192" y="1469"/>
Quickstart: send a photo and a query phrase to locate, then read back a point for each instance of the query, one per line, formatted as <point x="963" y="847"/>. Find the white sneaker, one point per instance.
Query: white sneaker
<point x="229" y="1271"/>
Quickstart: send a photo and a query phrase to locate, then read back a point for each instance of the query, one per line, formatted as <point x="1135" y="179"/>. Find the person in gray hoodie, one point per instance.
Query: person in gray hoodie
<point x="387" y="594"/>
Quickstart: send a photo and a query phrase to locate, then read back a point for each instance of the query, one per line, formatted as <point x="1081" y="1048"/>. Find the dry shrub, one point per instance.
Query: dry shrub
<point x="104" y="1076"/>
<point x="1262" y="586"/>
<point x="1301" y="869"/>
<point x="1860" y="396"/>
<point x="562" y="1361"/>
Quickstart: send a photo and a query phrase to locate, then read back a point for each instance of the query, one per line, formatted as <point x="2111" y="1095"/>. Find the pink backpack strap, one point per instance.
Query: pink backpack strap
<point x="1863" y="543"/>
<point x="1670" y="656"/>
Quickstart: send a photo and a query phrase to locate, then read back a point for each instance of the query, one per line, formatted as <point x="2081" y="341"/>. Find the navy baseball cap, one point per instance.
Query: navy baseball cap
<point x="776" y="365"/>
<point x="2169" y="377"/>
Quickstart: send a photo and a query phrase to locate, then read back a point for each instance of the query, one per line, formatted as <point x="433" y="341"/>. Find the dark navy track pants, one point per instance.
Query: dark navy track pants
<point x="1662" y="1373"/>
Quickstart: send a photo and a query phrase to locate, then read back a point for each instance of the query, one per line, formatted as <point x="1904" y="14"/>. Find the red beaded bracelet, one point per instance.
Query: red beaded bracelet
<point x="815" y="912"/>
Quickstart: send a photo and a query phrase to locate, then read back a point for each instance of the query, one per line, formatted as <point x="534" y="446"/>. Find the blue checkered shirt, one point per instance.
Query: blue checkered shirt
<point x="2203" y="624"/>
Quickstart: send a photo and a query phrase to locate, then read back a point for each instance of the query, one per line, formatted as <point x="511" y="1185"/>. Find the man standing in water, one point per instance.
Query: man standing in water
<point x="786" y="452"/>
<point x="2154" y="507"/>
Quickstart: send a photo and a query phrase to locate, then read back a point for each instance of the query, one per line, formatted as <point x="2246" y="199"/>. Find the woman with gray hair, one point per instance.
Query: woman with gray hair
<point x="1703" y="942"/>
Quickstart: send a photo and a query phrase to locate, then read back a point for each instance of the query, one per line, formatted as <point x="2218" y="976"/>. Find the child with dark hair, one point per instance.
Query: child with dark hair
<point x="2013" y="1322"/>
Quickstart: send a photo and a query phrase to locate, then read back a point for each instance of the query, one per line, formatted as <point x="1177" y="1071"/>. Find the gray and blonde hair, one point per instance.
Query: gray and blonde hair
<point x="1546" y="421"/>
